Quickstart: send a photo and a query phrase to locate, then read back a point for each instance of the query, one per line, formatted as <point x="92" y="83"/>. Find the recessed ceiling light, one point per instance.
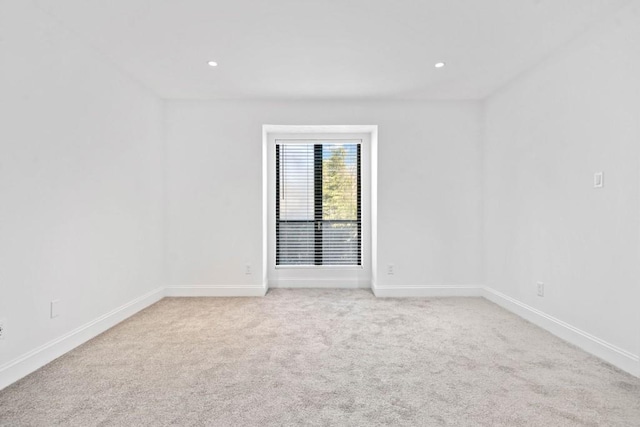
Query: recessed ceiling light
<point x="440" y="64"/>
<point x="212" y="63"/>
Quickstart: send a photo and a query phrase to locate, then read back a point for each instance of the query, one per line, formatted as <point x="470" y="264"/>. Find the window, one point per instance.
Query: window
<point x="318" y="209"/>
<point x="320" y="242"/>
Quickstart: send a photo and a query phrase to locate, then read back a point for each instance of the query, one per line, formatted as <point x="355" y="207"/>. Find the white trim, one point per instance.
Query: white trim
<point x="427" y="291"/>
<point x="216" y="291"/>
<point x="33" y="360"/>
<point x="265" y="206"/>
<point x="319" y="129"/>
<point x="608" y="352"/>
<point x="369" y="136"/>
<point x="307" y="274"/>
<point x="373" y="183"/>
<point x="321" y="283"/>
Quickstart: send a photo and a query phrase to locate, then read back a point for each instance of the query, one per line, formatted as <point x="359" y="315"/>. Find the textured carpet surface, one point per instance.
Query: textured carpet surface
<point x="324" y="357"/>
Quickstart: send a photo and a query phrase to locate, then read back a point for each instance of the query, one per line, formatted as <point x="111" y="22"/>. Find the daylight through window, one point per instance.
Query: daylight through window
<point x="318" y="203"/>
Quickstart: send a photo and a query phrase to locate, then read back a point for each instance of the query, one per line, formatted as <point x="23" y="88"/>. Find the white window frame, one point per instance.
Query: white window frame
<point x="318" y="276"/>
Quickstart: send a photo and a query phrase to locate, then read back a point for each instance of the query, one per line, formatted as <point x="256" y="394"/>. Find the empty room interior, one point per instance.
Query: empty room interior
<point x="349" y="213"/>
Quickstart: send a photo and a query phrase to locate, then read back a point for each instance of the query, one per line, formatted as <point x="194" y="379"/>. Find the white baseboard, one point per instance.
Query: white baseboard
<point x="216" y="291"/>
<point x="427" y="291"/>
<point x="608" y="352"/>
<point x="321" y="283"/>
<point x="35" y="359"/>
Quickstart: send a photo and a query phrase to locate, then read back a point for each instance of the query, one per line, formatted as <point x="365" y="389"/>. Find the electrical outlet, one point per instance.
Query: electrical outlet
<point x="3" y="328"/>
<point x="55" y="308"/>
<point x="598" y="180"/>
<point x="540" y="289"/>
<point x="247" y="269"/>
<point x="391" y="269"/>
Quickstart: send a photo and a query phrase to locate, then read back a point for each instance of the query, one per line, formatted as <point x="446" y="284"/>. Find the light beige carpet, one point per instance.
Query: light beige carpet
<point x="324" y="357"/>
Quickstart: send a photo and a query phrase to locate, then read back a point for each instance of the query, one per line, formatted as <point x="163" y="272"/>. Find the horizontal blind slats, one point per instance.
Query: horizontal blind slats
<point x="318" y="218"/>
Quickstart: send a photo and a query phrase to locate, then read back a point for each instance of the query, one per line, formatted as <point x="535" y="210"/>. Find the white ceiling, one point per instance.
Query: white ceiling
<point x="327" y="49"/>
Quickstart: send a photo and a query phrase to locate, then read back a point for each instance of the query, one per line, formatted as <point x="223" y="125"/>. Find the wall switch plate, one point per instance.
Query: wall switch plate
<point x="247" y="269"/>
<point x="540" y="289"/>
<point x="598" y="180"/>
<point x="55" y="308"/>
<point x="3" y="328"/>
<point x="391" y="269"/>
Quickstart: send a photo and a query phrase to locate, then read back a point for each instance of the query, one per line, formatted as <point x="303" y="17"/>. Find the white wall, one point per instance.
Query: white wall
<point x="545" y="135"/>
<point x="81" y="180"/>
<point x="429" y="197"/>
<point x="80" y="183"/>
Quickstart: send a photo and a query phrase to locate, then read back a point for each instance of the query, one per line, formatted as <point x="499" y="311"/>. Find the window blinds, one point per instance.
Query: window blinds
<point x="318" y="203"/>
